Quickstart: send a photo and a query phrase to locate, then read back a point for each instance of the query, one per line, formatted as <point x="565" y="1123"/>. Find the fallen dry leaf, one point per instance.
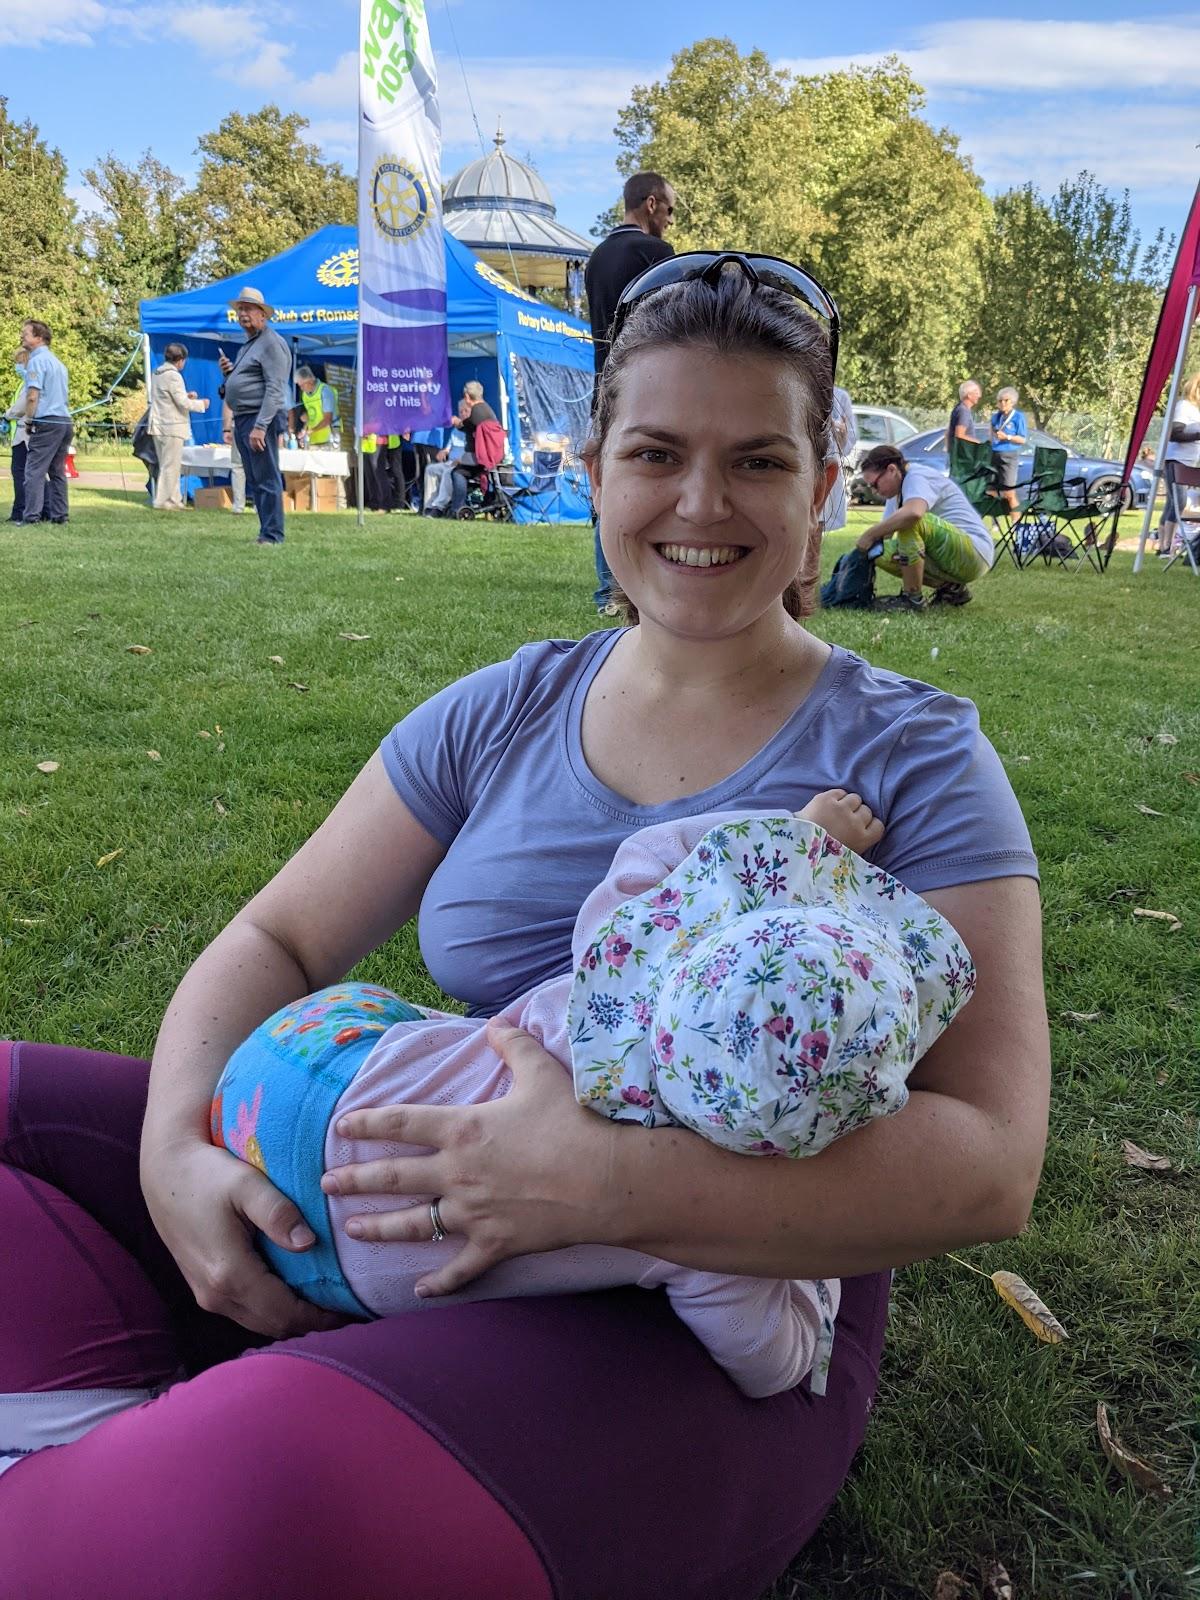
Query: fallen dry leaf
<point x="24" y="811"/>
<point x="220" y="744"/>
<point x="111" y="856"/>
<point x="1033" y="1312"/>
<point x="356" y="638"/>
<point x="47" y="766"/>
<point x="218" y="807"/>
<point x="302" y="687"/>
<point x="1135" y="1156"/>
<point x="29" y="922"/>
<point x="80" y="629"/>
<point x="204" y="734"/>
<point x="1167" y="738"/>
<point x="1142" y="1473"/>
<point x="154" y="755"/>
<point x="950" y="1586"/>
<point x="1160" y="916"/>
<point x="1080" y="1016"/>
<point x="276" y="661"/>
<point x="138" y="650"/>
<point x="997" y="1585"/>
<point x="1161" y="1077"/>
<point x="1148" y="811"/>
<point x="1190" y="777"/>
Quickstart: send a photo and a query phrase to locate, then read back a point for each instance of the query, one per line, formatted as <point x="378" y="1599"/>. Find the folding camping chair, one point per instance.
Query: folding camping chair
<point x="971" y="469"/>
<point x="1185" y="479"/>
<point x="550" y="482"/>
<point x="1063" y="518"/>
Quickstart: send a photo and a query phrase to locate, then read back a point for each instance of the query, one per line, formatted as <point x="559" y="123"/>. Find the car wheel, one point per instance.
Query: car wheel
<point x="1107" y="491"/>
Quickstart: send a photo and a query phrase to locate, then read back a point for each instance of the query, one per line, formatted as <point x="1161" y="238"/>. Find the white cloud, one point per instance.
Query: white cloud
<point x="545" y="104"/>
<point x="239" y="43"/>
<point x="38" y="22"/>
<point x="1016" y="55"/>
<point x="1149" y="149"/>
<point x="337" y="88"/>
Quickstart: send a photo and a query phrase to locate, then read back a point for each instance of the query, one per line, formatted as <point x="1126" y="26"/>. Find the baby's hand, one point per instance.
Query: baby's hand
<point x="846" y="816"/>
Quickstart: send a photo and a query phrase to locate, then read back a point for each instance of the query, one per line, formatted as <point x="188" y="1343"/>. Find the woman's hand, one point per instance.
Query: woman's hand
<point x="518" y="1175"/>
<point x="206" y="1205"/>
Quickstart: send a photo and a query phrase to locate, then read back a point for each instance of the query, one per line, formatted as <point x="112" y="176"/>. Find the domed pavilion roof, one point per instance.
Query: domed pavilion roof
<point x="501" y="209"/>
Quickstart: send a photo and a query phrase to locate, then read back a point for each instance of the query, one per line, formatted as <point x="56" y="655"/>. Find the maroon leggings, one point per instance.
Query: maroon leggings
<point x="580" y="1447"/>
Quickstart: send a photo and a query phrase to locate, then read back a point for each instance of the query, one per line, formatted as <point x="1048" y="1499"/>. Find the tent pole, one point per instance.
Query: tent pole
<point x="1185" y="335"/>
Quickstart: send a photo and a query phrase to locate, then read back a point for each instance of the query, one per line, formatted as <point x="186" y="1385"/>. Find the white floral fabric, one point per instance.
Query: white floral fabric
<point x="773" y="992"/>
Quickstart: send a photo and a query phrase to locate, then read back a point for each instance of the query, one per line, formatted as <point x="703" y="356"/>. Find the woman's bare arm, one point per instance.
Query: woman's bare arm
<point x="345" y="891"/>
<point x="959" y="1165"/>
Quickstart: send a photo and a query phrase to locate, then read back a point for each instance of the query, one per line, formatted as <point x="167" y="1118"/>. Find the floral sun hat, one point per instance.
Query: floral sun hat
<point x="772" y="993"/>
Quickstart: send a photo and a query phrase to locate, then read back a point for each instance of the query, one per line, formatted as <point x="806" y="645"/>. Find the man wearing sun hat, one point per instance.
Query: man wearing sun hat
<point x="256" y="385"/>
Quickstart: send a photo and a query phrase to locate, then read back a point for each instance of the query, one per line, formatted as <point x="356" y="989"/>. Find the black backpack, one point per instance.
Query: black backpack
<point x="143" y="445"/>
<point x="851" y="583"/>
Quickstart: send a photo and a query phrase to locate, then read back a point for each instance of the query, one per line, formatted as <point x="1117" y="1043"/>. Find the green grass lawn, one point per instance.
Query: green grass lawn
<point x="983" y="1443"/>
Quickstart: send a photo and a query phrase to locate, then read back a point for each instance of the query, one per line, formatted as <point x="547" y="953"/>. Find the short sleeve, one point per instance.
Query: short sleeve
<point x="919" y="484"/>
<point x="441" y="754"/>
<point x="1018" y="424"/>
<point x="950" y="811"/>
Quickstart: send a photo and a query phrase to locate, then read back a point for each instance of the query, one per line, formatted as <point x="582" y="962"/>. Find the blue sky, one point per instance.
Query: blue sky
<point x="1105" y="84"/>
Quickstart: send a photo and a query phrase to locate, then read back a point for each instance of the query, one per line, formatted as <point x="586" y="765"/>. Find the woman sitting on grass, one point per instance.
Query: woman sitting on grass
<point x="930" y="534"/>
<point x="574" y="1445"/>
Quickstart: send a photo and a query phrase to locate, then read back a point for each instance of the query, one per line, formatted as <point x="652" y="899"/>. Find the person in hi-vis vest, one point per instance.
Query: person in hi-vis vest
<point x="316" y="415"/>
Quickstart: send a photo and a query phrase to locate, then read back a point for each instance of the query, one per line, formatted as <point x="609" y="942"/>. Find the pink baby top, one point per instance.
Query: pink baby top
<point x="766" y="1333"/>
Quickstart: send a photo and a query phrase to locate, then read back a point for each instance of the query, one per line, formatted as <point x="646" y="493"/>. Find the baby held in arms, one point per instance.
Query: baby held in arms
<point x="744" y="975"/>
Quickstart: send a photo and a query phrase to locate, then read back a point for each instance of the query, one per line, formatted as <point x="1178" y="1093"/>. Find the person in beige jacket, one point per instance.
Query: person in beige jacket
<point x="171" y="406"/>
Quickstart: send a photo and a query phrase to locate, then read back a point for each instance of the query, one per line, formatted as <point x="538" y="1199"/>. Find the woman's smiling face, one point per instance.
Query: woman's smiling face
<point x="707" y="489"/>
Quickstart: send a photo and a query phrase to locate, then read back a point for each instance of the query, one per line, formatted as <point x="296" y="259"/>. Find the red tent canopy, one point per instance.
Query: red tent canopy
<point x="1185" y="273"/>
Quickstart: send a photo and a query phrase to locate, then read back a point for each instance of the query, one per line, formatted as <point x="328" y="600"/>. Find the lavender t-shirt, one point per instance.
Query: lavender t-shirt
<point x="493" y="767"/>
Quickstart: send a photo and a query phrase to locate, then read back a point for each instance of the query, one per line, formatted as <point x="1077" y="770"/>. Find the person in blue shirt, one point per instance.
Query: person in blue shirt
<point x="48" y="427"/>
<point x="1009" y="436"/>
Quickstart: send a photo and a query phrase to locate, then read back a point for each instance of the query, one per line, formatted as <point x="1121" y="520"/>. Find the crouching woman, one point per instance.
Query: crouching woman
<point x="930" y="536"/>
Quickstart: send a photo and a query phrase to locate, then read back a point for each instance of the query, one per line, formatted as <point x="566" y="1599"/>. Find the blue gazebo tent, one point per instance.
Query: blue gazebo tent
<point x="535" y="362"/>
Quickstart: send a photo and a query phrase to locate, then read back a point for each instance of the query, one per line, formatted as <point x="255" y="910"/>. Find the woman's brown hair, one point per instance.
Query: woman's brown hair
<point x="737" y="319"/>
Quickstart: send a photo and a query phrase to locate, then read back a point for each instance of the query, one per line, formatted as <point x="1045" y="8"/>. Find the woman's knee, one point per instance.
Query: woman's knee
<point x="272" y="1474"/>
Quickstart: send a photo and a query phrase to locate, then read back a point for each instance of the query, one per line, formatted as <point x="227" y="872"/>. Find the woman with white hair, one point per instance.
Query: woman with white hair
<point x="1009" y="435"/>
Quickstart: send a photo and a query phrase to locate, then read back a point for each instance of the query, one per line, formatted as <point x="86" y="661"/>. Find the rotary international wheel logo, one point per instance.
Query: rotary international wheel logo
<point x="400" y="199"/>
<point x="339" y="271"/>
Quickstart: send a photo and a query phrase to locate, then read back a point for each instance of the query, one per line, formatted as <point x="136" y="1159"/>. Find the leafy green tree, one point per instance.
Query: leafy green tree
<point x="261" y="187"/>
<point x="43" y="270"/>
<point x="838" y="172"/>
<point x="724" y="129"/>
<point x="139" y="243"/>
<point x="904" y="263"/>
<point x="1069" y="300"/>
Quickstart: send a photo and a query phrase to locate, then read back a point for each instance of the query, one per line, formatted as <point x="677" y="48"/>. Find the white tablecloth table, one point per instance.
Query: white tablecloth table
<point x="214" y="460"/>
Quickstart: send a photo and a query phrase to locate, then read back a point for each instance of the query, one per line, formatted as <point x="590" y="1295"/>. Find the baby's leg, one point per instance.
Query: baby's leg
<point x="846" y="816"/>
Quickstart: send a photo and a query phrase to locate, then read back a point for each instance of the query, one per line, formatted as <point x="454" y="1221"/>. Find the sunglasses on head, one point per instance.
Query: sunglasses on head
<point x="707" y="265"/>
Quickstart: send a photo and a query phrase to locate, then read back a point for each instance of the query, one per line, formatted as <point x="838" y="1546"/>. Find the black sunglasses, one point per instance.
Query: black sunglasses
<point x="707" y="265"/>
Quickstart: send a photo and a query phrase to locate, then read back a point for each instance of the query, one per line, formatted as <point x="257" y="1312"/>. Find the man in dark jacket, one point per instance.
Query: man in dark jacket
<point x="637" y="243"/>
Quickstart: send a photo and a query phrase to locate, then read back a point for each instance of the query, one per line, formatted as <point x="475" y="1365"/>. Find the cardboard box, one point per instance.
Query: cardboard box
<point x="214" y="499"/>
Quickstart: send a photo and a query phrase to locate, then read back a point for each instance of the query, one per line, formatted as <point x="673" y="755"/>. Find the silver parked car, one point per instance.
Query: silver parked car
<point x="1101" y="477"/>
